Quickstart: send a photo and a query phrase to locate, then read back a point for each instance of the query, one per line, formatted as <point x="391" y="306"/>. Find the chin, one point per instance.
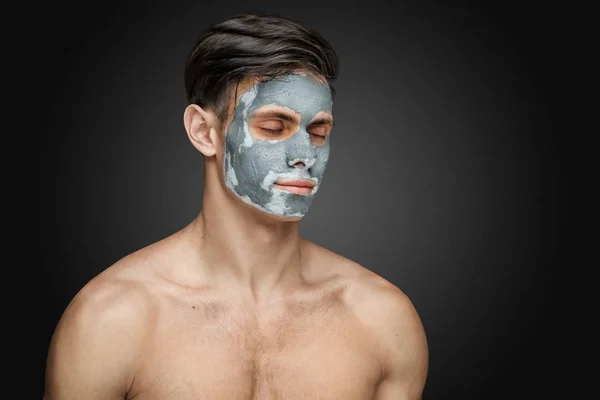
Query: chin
<point x="285" y="218"/>
<point x="268" y="214"/>
<point x="275" y="217"/>
<point x="271" y="216"/>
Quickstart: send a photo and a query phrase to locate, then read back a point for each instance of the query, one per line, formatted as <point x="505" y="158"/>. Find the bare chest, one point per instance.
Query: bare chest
<point x="317" y="354"/>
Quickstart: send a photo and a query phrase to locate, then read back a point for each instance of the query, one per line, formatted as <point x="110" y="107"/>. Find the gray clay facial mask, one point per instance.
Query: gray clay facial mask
<point x="252" y="165"/>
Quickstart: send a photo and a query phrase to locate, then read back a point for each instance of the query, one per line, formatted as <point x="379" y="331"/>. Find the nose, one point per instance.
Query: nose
<point x="302" y="162"/>
<point x="301" y="152"/>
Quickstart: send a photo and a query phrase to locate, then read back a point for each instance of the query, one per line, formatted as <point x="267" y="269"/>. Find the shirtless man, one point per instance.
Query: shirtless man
<point x="236" y="305"/>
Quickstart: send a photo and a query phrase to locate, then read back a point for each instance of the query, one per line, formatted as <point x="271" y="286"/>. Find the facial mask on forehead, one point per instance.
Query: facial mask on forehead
<point x="252" y="165"/>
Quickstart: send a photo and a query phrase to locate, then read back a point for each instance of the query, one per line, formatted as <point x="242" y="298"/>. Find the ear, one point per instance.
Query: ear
<point x="202" y="128"/>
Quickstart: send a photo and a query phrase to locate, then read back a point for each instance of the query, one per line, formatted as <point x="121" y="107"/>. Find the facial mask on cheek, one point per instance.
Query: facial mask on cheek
<point x="253" y="165"/>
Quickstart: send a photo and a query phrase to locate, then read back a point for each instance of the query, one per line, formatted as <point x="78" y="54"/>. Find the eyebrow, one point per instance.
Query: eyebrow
<point x="274" y="114"/>
<point x="289" y="118"/>
<point x="322" y="121"/>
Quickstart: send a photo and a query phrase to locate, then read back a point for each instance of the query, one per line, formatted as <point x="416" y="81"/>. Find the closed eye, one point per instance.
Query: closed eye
<point x="317" y="136"/>
<point x="319" y="129"/>
<point x="272" y="131"/>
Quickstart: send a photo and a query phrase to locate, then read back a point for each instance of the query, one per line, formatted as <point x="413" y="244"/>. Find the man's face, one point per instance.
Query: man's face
<point x="277" y="145"/>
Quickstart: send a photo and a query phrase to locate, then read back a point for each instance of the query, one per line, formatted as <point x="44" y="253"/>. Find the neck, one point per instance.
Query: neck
<point x="242" y="245"/>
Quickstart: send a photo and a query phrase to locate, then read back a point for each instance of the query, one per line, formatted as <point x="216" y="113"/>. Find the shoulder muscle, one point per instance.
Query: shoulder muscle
<point x="97" y="342"/>
<point x="395" y="326"/>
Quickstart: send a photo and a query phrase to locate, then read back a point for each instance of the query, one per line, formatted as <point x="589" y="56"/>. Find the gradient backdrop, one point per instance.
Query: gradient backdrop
<point x="443" y="178"/>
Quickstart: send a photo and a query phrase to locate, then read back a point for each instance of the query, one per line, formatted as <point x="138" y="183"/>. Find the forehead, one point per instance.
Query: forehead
<point x="302" y="93"/>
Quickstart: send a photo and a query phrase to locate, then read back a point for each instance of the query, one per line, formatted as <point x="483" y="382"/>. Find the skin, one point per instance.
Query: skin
<point x="236" y="305"/>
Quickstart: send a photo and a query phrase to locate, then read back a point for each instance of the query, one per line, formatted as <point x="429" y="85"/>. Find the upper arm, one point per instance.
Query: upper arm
<point x="95" y="346"/>
<point x="407" y="357"/>
<point x="401" y="341"/>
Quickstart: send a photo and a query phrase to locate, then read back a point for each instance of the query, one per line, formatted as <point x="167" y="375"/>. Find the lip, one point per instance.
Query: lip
<point x="302" y="186"/>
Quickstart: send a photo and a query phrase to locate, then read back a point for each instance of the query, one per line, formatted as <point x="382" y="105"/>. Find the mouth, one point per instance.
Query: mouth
<point x="302" y="186"/>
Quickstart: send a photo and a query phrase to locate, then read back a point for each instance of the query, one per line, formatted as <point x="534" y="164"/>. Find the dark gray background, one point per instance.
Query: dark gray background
<point x="444" y="174"/>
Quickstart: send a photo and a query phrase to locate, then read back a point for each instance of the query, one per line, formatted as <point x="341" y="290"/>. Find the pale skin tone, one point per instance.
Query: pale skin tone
<point x="237" y="305"/>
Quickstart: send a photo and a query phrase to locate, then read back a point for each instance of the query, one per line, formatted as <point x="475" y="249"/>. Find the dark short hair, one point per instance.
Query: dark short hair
<point x="253" y="45"/>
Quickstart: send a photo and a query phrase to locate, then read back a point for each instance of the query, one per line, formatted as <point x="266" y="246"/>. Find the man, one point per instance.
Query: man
<point x="237" y="305"/>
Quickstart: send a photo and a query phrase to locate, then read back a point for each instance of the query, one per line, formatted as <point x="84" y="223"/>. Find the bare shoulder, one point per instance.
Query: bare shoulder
<point x="365" y="289"/>
<point x="391" y="323"/>
<point x="99" y="338"/>
<point x="389" y="315"/>
<point x="395" y="327"/>
<point x="118" y="295"/>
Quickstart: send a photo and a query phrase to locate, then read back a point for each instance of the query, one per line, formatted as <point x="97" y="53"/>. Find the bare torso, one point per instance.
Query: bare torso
<point x="161" y="336"/>
<point x="211" y="345"/>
